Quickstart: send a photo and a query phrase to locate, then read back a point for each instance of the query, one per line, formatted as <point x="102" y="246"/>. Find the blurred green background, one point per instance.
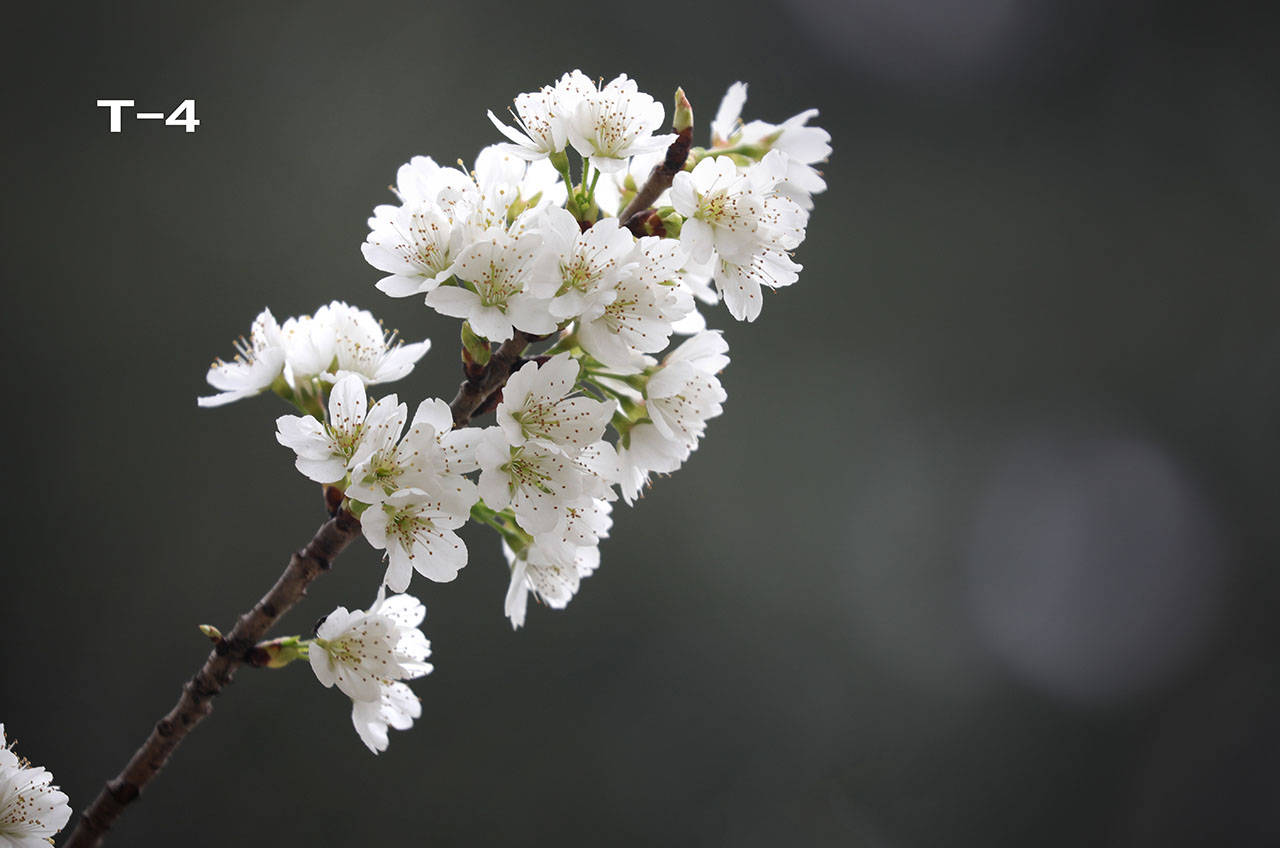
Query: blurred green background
<point x="981" y="552"/>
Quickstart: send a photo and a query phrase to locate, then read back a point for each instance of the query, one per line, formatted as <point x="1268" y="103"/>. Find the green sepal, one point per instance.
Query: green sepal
<point x="477" y="347"/>
<point x="277" y="653"/>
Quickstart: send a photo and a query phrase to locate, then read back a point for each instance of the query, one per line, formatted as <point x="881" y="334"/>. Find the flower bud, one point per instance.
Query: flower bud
<point x="683" y="116"/>
<point x="274" y="654"/>
<point x="475" y="347"/>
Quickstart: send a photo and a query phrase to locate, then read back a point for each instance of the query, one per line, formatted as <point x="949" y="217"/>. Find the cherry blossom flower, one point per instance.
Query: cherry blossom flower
<point x="363" y="347"/>
<point x="542" y="117"/>
<point x="551" y="574"/>
<point x="368" y="655"/>
<point x="646" y="451"/>
<point x="537" y="406"/>
<point x="741" y="283"/>
<point x="32" y="808"/>
<point x="722" y="211"/>
<point x="445" y="210"/>
<point x="430" y="456"/>
<point x="803" y="145"/>
<point x="416" y="530"/>
<point x="359" y="651"/>
<point x="424" y="181"/>
<point x="258" y="363"/>
<point x="497" y="269"/>
<point x="637" y="316"/>
<point x="416" y="244"/>
<point x="575" y="264"/>
<point x="684" y="393"/>
<point x="615" y="122"/>
<point x="325" y="451"/>
<point x="741" y="226"/>
<point x="396" y="707"/>
<point x="338" y="339"/>
<point x="455" y="451"/>
<point x="310" y="344"/>
<point x="536" y="480"/>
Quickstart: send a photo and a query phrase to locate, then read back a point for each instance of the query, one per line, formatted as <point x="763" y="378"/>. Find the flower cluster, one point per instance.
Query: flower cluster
<point x="32" y="808"/>
<point x="368" y="655"/>
<point x="606" y="269"/>
<point x="300" y="359"/>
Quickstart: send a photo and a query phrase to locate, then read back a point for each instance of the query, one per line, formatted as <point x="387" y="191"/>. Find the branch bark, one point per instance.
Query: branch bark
<point x="196" y="701"/>
<point x="230" y="652"/>
<point x="661" y="176"/>
<point x="473" y="392"/>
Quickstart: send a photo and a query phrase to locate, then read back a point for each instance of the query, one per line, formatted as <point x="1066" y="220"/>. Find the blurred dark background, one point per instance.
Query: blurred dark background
<point x="983" y="550"/>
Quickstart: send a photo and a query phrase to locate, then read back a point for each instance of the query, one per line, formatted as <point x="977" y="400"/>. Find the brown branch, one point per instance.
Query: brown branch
<point x="473" y="392"/>
<point x="196" y="702"/>
<point x="230" y="652"/>
<point x="661" y="176"/>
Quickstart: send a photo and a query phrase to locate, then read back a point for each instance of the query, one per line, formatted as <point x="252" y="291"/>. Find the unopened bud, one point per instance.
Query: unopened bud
<point x="475" y="348"/>
<point x="276" y="653"/>
<point x="647" y="223"/>
<point x="683" y="119"/>
<point x="671" y="222"/>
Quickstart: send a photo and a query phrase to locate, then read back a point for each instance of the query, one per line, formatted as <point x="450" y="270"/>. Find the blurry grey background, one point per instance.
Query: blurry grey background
<point x="983" y="550"/>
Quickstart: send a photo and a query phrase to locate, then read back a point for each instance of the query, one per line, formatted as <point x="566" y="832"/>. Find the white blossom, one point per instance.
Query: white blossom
<point x="257" y="364"/>
<point x="325" y="451"/>
<point x="497" y="269"/>
<point x="637" y="316"/>
<point x="455" y="452"/>
<point x="424" y="181"/>
<point x="499" y="184"/>
<point x="445" y="210"/>
<point x="396" y="707"/>
<point x="598" y="462"/>
<point x="32" y="808"/>
<point x="363" y="347"/>
<point x="576" y="265"/>
<point x="728" y="115"/>
<point x="383" y="463"/>
<point x="310" y="344"/>
<point x="369" y="655"/>
<point x="359" y="651"/>
<point x="684" y="393"/>
<point x="584" y="523"/>
<point x="416" y="244"/>
<point x="741" y="283"/>
<point x="552" y="574"/>
<point x="803" y="145"/>
<point x="542" y="117"/>
<point x="722" y="210"/>
<point x="739" y="225"/>
<point x="338" y="339"/>
<point x="429" y="456"/>
<point x="416" y="530"/>
<point x="418" y="241"/>
<point x="615" y="122"/>
<point x="536" y="480"/>
<point x="646" y="451"/>
<point x="537" y="406"/>
<point x="679" y="397"/>
<point x="587" y="519"/>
